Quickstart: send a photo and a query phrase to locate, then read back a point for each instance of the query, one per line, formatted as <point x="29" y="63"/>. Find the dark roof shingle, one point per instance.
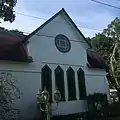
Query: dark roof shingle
<point x="11" y="47"/>
<point x="95" y="60"/>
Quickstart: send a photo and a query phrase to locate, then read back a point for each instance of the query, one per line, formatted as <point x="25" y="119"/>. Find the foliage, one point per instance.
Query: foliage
<point x="102" y="44"/>
<point x="12" y="31"/>
<point x="8" y="94"/>
<point x="6" y="10"/>
<point x="107" y="44"/>
<point x="16" y="31"/>
<point x="96" y="102"/>
<point x="95" y="98"/>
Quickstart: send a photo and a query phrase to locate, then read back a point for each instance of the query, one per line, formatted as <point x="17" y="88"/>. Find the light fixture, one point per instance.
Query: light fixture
<point x="57" y="96"/>
<point x="45" y="96"/>
<point x="43" y="101"/>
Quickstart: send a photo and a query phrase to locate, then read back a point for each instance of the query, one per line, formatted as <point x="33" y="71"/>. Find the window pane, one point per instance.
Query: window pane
<point x="46" y="80"/>
<point x="59" y="79"/>
<point x="62" y="43"/>
<point x="81" y="83"/>
<point x="71" y="84"/>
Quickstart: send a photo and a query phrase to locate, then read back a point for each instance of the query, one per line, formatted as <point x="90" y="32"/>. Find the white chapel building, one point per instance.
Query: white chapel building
<point x="58" y="55"/>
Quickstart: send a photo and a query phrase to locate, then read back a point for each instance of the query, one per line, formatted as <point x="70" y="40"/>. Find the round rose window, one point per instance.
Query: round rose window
<point x="62" y="43"/>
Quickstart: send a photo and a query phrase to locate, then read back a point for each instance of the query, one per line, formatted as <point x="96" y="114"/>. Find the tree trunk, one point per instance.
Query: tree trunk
<point x="112" y="60"/>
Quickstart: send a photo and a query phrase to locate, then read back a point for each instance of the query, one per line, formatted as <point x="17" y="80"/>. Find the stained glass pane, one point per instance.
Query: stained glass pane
<point x="81" y="83"/>
<point x="71" y="84"/>
<point x="59" y="80"/>
<point x="46" y="79"/>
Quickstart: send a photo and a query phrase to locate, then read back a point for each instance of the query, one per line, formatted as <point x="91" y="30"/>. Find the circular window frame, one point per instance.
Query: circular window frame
<point x="61" y="36"/>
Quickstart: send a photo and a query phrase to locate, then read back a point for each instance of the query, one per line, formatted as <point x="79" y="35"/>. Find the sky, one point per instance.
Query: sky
<point x="90" y="17"/>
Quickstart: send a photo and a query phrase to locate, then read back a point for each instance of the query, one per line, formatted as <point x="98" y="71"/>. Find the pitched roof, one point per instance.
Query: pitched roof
<point x="61" y="11"/>
<point x="95" y="60"/>
<point x="9" y="38"/>
<point x="11" y="47"/>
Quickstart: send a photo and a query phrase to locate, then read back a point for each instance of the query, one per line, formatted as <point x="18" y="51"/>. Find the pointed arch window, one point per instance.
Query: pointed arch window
<point x="71" y="84"/>
<point x="59" y="80"/>
<point x="81" y="83"/>
<point x="46" y="79"/>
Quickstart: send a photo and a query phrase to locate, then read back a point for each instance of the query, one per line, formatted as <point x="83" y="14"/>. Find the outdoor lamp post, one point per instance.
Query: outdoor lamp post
<point x="43" y="101"/>
<point x="45" y="96"/>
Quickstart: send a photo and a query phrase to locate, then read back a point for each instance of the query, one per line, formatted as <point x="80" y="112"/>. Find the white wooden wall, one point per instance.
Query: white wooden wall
<point x="43" y="50"/>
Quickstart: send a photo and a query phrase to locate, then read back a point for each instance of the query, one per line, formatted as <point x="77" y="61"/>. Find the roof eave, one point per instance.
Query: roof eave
<point x="62" y="10"/>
